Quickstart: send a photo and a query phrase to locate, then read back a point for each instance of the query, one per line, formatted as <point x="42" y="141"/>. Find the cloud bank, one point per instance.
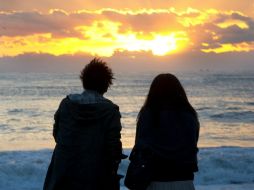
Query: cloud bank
<point x="132" y="62"/>
<point x="105" y="31"/>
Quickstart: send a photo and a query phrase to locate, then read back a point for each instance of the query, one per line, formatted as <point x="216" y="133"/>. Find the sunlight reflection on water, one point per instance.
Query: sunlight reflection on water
<point x="224" y="102"/>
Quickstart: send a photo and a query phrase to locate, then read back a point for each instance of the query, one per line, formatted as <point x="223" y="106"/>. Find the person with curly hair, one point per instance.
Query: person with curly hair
<point x="87" y="134"/>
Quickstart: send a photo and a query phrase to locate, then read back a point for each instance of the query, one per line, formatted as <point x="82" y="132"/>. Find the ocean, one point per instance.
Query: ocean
<point x="224" y="102"/>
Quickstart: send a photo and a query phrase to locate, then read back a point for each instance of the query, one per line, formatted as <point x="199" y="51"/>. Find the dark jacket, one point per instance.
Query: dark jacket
<point x="172" y="136"/>
<point x="88" y="147"/>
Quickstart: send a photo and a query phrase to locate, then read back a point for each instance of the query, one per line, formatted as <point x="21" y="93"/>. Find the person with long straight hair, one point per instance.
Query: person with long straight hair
<point x="168" y="124"/>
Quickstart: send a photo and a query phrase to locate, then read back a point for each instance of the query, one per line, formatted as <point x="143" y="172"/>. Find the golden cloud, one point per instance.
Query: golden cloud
<point x="105" y="31"/>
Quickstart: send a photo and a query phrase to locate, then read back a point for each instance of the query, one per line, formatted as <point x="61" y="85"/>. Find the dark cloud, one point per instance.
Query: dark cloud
<point x="58" y="23"/>
<point x="62" y="24"/>
<point x="146" y="22"/>
<point x="132" y="61"/>
<point x="210" y="32"/>
<point x="32" y="62"/>
<point x="235" y="34"/>
<point x="245" y="6"/>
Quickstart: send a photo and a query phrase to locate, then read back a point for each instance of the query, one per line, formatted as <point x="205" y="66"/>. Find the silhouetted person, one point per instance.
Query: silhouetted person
<point x="168" y="124"/>
<point x="87" y="135"/>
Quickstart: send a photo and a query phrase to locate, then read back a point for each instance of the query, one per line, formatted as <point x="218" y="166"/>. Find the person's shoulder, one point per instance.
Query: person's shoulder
<point x="145" y="110"/>
<point x="145" y="113"/>
<point x="183" y="114"/>
<point x="188" y="114"/>
<point x="189" y="117"/>
<point x="63" y="101"/>
<point x="110" y="108"/>
<point x="110" y="104"/>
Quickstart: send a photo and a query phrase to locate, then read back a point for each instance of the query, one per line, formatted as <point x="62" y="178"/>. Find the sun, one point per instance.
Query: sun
<point x="159" y="45"/>
<point x="162" y="45"/>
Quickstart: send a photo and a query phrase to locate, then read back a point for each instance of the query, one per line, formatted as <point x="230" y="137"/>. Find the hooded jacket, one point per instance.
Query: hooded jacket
<point x="88" y="147"/>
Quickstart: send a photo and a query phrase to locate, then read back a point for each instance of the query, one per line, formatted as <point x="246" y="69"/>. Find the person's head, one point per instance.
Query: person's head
<point x="96" y="76"/>
<point x="167" y="91"/>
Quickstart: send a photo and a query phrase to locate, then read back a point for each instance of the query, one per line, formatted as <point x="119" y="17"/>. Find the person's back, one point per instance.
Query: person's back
<point x="174" y="142"/>
<point x="168" y="127"/>
<point x="87" y="134"/>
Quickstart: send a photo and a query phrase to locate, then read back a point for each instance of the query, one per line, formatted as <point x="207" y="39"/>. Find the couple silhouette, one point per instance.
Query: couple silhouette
<point x="87" y="132"/>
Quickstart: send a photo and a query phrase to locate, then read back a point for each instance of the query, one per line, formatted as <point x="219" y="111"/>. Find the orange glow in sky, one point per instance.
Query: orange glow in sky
<point x="162" y="31"/>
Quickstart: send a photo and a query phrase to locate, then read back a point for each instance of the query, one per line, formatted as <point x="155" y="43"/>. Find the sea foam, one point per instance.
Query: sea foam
<point x="222" y="166"/>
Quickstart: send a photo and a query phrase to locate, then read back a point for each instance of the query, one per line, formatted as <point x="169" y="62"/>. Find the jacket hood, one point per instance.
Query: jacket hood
<point x="89" y="105"/>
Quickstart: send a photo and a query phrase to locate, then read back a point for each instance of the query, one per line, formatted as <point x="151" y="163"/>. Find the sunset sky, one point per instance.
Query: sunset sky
<point x="177" y="33"/>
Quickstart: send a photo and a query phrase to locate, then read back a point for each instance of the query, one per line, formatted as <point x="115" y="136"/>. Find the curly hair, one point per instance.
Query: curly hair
<point x="97" y="76"/>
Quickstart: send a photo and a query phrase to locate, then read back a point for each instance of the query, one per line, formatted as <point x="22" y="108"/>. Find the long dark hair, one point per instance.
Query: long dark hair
<point x="166" y="91"/>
